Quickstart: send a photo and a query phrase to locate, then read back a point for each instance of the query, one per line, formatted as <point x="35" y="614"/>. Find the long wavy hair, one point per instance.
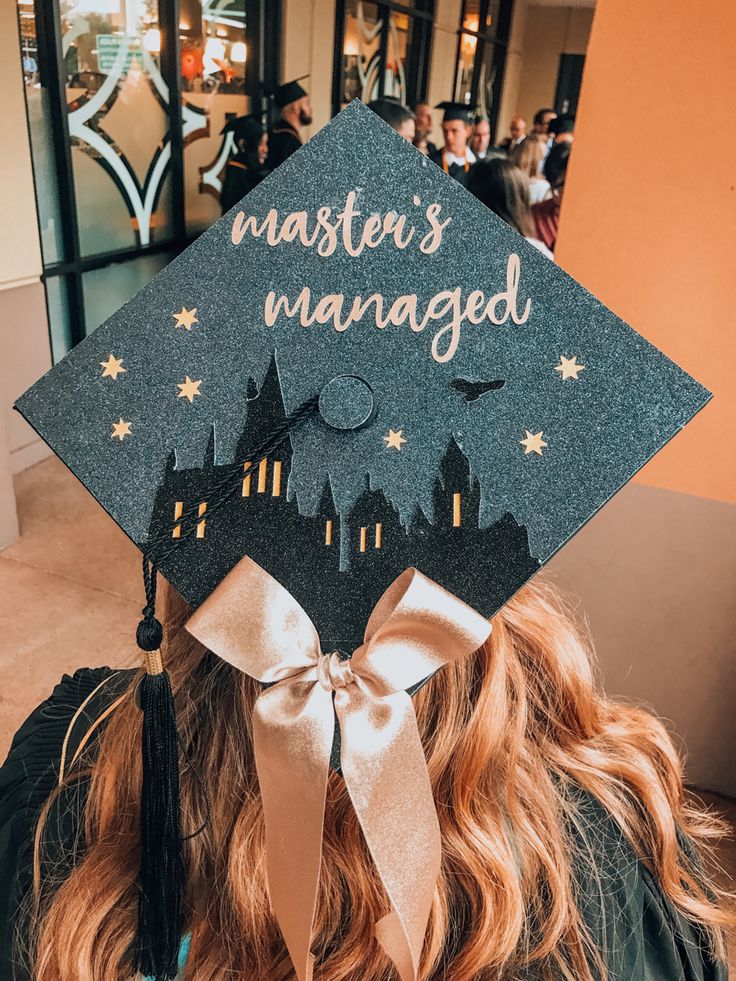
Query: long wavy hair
<point x="502" y="187"/>
<point x="529" y="155"/>
<point x="511" y="734"/>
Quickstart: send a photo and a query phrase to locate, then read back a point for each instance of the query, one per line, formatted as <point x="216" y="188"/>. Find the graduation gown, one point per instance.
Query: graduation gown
<point x="283" y="140"/>
<point x="456" y="171"/>
<point x="641" y="936"/>
<point x="241" y="176"/>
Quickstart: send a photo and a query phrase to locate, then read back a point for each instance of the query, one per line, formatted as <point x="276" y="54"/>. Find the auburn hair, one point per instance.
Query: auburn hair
<point x="510" y="735"/>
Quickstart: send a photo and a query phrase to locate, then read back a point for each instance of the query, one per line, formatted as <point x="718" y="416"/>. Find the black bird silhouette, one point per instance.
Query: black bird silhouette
<point x="472" y="390"/>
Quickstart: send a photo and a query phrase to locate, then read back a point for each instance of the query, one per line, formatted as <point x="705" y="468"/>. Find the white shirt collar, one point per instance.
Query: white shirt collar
<point x="450" y="158"/>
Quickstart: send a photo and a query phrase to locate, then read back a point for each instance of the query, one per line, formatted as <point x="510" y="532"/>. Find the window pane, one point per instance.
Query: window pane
<point x="99" y="200"/>
<point x="214" y="50"/>
<point x="471" y="20"/>
<point x="118" y="120"/>
<point x="464" y="78"/>
<point x="361" y="52"/>
<point x="107" y="289"/>
<point x="60" y="328"/>
<point x="399" y="35"/>
<point x="471" y="15"/>
<point x="485" y="79"/>
<point x="492" y="15"/>
<point x="39" y="123"/>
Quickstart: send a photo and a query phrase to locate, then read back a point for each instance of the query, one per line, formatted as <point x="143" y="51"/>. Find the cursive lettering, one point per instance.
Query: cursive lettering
<point x="348" y="228"/>
<point x="448" y="308"/>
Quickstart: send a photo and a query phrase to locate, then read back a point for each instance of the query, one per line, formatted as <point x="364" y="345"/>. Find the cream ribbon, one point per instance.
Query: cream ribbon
<point x="253" y="623"/>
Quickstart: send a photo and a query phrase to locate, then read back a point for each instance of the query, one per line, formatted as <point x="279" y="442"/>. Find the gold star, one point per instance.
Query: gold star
<point x="394" y="441"/>
<point x="120" y="430"/>
<point x="185" y="318"/>
<point x="569" y="367"/>
<point x="113" y="367"/>
<point x="188" y="389"/>
<point x="533" y="443"/>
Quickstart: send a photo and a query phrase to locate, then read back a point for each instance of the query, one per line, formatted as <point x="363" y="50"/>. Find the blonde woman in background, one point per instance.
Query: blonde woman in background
<point x="529" y="157"/>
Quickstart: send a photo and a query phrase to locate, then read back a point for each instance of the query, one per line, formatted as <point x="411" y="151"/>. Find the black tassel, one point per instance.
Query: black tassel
<point x="161" y="881"/>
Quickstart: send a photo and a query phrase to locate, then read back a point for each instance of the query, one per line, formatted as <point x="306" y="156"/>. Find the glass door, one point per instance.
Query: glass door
<point x="126" y="102"/>
<point x="382" y="50"/>
<point x="483" y="37"/>
<point x="214" y="55"/>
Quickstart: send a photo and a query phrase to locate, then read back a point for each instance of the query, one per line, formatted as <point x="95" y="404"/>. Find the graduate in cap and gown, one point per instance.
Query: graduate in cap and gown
<point x="296" y="111"/>
<point x="361" y="742"/>
<point x="455" y="157"/>
<point x="246" y="168"/>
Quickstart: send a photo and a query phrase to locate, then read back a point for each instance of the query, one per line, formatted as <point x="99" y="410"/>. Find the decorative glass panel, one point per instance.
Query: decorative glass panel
<point x="471" y="15"/>
<point x="118" y="122"/>
<point x="60" y="327"/>
<point x="214" y="53"/>
<point x="39" y="124"/>
<point x="486" y="77"/>
<point x="492" y="15"/>
<point x="477" y="56"/>
<point x="361" y="52"/>
<point x="466" y="62"/>
<point x="107" y="289"/>
<point x="399" y="39"/>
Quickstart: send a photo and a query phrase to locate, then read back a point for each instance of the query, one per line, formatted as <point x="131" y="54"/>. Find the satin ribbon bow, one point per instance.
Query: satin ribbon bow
<point x="252" y="622"/>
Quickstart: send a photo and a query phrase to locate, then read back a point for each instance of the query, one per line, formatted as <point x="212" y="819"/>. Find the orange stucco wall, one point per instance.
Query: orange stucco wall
<point x="649" y="216"/>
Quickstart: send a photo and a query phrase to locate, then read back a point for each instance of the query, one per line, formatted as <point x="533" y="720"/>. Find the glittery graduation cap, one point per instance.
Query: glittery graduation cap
<point x="358" y="370"/>
<point x="475" y="405"/>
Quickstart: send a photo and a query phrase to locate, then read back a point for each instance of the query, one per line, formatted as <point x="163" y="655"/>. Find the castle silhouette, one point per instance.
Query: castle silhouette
<point x="483" y="566"/>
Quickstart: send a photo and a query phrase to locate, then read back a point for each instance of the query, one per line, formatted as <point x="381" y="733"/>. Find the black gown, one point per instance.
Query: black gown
<point x="642" y="937"/>
<point x="456" y="171"/>
<point x="242" y="174"/>
<point x="283" y="140"/>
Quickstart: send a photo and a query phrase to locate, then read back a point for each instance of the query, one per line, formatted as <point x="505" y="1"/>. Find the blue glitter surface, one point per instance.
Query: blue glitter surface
<point x="600" y="429"/>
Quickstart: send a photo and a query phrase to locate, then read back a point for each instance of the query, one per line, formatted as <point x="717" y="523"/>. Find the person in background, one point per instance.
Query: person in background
<point x="540" y="124"/>
<point x="540" y="127"/>
<point x="455" y="158"/>
<point x="529" y="157"/>
<point x="562" y="128"/>
<point x="517" y="133"/>
<point x="503" y="188"/>
<point x="546" y="214"/>
<point x="246" y="169"/>
<point x="424" y="122"/>
<point x="480" y="138"/>
<point x="296" y="111"/>
<point x="397" y="116"/>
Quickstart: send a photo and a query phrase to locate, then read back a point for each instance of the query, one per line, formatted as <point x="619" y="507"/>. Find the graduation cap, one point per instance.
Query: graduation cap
<point x="359" y="372"/>
<point x="248" y="128"/>
<point x="289" y="92"/>
<point x="457" y="110"/>
<point x="562" y="124"/>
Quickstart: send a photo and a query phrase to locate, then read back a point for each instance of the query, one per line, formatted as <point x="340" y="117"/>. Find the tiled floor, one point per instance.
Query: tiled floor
<point x="71" y="593"/>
